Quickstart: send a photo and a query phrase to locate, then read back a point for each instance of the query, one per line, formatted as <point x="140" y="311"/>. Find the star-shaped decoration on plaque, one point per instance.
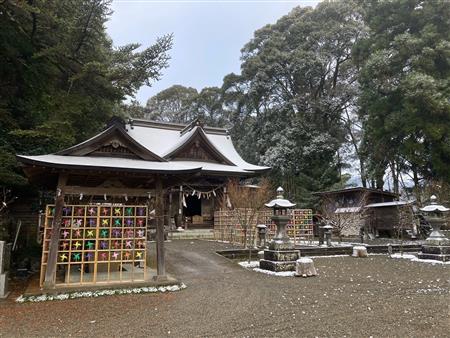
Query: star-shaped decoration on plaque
<point x="89" y="256"/>
<point x="130" y="232"/>
<point x="90" y="233"/>
<point x="77" y="222"/>
<point x="80" y="212"/>
<point x="104" y="245"/>
<point x="104" y="233"/>
<point x="117" y="211"/>
<point x="116" y="233"/>
<point x="63" y="257"/>
<point x="105" y="222"/>
<point x="77" y="233"/>
<point x="103" y="256"/>
<point x="66" y="222"/>
<point x="65" y="245"/>
<point x="76" y="256"/>
<point x="91" y="211"/>
<point x="140" y="233"/>
<point x="140" y="211"/>
<point x="128" y="244"/>
<point x="115" y="255"/>
<point x="90" y="245"/>
<point x="117" y="222"/>
<point x="140" y="222"/>
<point x="140" y="244"/>
<point x="66" y="211"/>
<point x="127" y="255"/>
<point x="129" y="211"/>
<point x="116" y="245"/>
<point x="65" y="233"/>
<point x="105" y="211"/>
<point x="77" y="244"/>
<point x="129" y="222"/>
<point x="138" y="254"/>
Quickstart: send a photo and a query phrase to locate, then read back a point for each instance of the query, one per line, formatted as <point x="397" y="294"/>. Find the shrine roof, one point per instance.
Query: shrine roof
<point x="153" y="147"/>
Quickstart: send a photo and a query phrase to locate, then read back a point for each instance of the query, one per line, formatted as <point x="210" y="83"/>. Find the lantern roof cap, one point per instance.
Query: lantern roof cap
<point x="280" y="201"/>
<point x="434" y="206"/>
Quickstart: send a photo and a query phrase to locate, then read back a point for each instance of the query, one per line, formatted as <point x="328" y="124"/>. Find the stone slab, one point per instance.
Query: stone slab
<point x="277" y="266"/>
<point x="436" y="257"/>
<point x="5" y="256"/>
<point x="4" y="285"/>
<point x="281" y="255"/>
<point x="435" y="249"/>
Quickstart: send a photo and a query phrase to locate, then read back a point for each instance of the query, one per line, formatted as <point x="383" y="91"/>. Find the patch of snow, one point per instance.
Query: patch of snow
<point x="414" y="258"/>
<point x="254" y="265"/>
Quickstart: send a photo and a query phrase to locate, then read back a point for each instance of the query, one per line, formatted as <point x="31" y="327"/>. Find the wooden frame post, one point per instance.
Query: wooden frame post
<point x="50" y="271"/>
<point x="159" y="214"/>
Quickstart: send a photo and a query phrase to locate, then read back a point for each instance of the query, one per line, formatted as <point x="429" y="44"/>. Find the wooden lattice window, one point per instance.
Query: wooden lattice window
<point x="98" y="244"/>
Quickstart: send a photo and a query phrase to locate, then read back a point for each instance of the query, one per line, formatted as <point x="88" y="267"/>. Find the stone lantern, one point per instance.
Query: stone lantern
<point x="436" y="246"/>
<point x="327" y="230"/>
<point x="281" y="255"/>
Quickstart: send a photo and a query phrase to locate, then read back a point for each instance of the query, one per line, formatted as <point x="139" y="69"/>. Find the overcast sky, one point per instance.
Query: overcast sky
<point x="208" y="35"/>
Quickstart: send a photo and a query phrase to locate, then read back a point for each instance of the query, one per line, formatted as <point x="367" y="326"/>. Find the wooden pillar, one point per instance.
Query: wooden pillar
<point x="180" y="206"/>
<point x="50" y="271"/>
<point x="159" y="214"/>
<point x="169" y="216"/>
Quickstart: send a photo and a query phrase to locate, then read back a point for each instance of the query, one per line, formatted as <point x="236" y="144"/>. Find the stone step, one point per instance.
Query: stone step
<point x="192" y="234"/>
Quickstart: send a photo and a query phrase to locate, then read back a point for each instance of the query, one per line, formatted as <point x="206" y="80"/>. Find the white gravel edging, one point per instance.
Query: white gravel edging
<point x="414" y="258"/>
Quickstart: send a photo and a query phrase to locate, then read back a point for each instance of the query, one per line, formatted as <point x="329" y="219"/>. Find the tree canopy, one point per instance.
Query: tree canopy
<point x="61" y="78"/>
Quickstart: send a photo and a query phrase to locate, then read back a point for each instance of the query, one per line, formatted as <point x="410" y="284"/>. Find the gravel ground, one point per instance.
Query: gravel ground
<point x="351" y="297"/>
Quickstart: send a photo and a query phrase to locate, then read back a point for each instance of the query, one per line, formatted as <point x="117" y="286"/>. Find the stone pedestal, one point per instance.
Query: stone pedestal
<point x="436" y="249"/>
<point x="5" y="255"/>
<point x="305" y="268"/>
<point x="281" y="255"/>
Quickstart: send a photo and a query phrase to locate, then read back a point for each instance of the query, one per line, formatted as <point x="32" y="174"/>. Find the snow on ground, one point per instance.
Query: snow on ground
<point x="414" y="258"/>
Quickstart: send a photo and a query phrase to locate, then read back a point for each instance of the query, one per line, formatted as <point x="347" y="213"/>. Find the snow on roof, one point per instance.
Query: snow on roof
<point x="113" y="163"/>
<point x="347" y="210"/>
<point x="163" y="138"/>
<point x="388" y="204"/>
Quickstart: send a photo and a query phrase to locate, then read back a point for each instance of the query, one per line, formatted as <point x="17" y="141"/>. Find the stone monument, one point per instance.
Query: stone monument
<point x="437" y="246"/>
<point x="5" y="255"/>
<point x="281" y="255"/>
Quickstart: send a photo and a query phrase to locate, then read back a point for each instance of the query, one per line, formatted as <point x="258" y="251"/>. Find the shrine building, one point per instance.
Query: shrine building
<point x="111" y="188"/>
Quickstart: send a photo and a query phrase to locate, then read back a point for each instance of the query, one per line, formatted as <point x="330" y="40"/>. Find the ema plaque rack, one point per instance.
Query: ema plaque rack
<point x="98" y="244"/>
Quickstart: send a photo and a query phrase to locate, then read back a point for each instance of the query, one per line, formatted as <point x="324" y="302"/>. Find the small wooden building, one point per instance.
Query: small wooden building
<point x="347" y="207"/>
<point x="109" y="188"/>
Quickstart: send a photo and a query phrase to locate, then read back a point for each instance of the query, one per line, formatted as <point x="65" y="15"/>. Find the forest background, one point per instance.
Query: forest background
<point x="350" y="86"/>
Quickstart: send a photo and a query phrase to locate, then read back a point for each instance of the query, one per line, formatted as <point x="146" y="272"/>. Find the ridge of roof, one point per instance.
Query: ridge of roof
<point x="337" y="191"/>
<point x="173" y="126"/>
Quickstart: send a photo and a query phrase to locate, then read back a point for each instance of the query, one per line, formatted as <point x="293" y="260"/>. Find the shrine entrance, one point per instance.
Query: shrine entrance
<point x="98" y="244"/>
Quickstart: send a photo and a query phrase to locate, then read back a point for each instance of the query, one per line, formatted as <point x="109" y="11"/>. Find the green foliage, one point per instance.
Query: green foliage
<point x="60" y="77"/>
<point x="405" y="72"/>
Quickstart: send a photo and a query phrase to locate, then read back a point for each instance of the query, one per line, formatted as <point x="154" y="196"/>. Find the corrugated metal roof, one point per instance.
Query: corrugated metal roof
<point x="388" y="204"/>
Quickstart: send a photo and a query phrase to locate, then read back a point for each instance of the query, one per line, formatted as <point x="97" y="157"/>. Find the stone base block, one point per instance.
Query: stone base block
<point x="281" y="255"/>
<point x="4" y="285"/>
<point x="281" y="244"/>
<point x="277" y="266"/>
<point x="436" y="257"/>
<point x="305" y="268"/>
<point x="436" y="249"/>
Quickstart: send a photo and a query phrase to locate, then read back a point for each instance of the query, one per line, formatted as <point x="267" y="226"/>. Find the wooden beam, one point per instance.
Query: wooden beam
<point x="159" y="215"/>
<point x="92" y="191"/>
<point x="50" y="271"/>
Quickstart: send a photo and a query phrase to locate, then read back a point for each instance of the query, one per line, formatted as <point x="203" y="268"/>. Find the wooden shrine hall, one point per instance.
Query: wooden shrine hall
<point x="110" y="189"/>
